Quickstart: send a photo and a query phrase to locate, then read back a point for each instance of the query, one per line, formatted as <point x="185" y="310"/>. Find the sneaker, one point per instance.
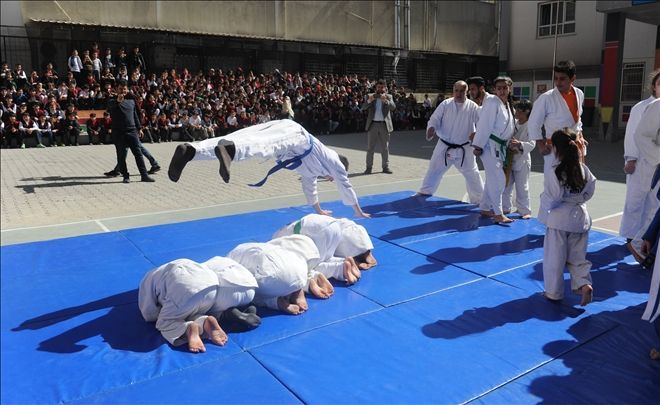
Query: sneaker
<point x="147" y="179"/>
<point x="22" y="146"/>
<point x="111" y="173"/>
<point x="183" y="154"/>
<point x="154" y="169"/>
<point x="41" y="145"/>
<point x="126" y="180"/>
<point x="387" y="170"/>
<point x="367" y="171"/>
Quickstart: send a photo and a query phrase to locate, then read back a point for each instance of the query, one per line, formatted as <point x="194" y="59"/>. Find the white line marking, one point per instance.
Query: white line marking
<point x="608" y="216"/>
<point x="105" y="228"/>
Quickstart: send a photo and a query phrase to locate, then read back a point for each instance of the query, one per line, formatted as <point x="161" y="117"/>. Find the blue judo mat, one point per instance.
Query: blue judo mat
<point x="453" y="313"/>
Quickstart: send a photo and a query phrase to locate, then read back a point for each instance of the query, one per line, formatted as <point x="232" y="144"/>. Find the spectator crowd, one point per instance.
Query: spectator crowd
<point x="183" y="105"/>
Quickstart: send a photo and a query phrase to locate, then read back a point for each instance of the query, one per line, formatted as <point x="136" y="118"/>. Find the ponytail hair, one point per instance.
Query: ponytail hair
<point x="569" y="170"/>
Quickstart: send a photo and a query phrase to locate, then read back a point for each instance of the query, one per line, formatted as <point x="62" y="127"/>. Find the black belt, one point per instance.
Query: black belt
<point x="455" y="146"/>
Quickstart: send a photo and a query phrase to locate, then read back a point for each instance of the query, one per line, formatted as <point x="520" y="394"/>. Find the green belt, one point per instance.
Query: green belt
<point x="297" y="226"/>
<point x="502" y="143"/>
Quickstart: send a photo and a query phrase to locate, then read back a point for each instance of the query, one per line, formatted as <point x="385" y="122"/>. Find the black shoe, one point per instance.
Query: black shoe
<point x="368" y="171"/>
<point x="147" y="179"/>
<point x="223" y="155"/>
<point x="126" y="180"/>
<point x="387" y="170"/>
<point x="154" y="169"/>
<point x="239" y="320"/>
<point x="111" y="173"/>
<point x="183" y="154"/>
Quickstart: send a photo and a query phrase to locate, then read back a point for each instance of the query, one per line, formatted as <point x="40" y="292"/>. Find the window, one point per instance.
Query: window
<point x="559" y="15"/>
<point x="632" y="81"/>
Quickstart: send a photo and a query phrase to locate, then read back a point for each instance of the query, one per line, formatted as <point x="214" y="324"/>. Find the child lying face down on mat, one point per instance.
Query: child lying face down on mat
<point x="280" y="268"/>
<point x="344" y="248"/>
<point x="186" y="298"/>
<point x="567" y="186"/>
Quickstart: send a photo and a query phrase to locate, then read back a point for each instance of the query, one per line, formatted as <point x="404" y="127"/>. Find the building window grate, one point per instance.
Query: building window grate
<point x="556" y="15"/>
<point x="632" y="82"/>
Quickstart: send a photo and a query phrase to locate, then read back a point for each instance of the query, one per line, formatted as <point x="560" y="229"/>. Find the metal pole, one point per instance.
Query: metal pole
<point x="554" y="51"/>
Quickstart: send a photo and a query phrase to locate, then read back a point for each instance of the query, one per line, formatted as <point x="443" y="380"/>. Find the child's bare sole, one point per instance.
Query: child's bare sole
<point x="285" y="306"/>
<point x="587" y="293"/>
<point x="526" y="216"/>
<point x="195" y="344"/>
<point x="320" y="287"/>
<point x="214" y="331"/>
<point x="298" y="298"/>
<point x="349" y="273"/>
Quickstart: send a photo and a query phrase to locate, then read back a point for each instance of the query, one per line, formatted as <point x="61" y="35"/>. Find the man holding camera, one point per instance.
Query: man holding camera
<point x="379" y="125"/>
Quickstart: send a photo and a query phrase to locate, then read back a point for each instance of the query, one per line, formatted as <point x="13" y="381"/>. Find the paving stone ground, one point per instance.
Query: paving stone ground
<point x="57" y="192"/>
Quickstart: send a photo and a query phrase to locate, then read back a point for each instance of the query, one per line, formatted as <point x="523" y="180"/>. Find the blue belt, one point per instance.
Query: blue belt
<point x="289" y="164"/>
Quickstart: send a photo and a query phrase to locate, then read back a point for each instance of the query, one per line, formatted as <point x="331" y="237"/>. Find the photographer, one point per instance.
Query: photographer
<point x="379" y="125"/>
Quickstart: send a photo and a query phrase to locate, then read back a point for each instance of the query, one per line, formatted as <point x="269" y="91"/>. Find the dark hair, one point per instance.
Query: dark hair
<point x="567" y="67"/>
<point x="654" y="78"/>
<point x="122" y="82"/>
<point x="524" y="106"/>
<point x="381" y="81"/>
<point x="569" y="170"/>
<point x="344" y="161"/>
<point x="478" y="80"/>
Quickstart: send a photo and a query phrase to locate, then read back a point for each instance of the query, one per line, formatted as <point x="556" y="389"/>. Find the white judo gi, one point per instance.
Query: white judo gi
<point x="641" y="201"/>
<point x="551" y="111"/>
<point x="520" y="168"/>
<point x="283" y="140"/>
<point x="330" y="235"/>
<point x="183" y="291"/>
<point x="568" y="222"/>
<point x="280" y="266"/>
<point x="495" y="118"/>
<point x="453" y="123"/>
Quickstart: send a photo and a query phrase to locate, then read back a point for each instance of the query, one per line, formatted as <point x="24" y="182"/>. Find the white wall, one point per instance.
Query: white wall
<point x="528" y="52"/>
<point x="639" y="46"/>
<point x="10" y="13"/>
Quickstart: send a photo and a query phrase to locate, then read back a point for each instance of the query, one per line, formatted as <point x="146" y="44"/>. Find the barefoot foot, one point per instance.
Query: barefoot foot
<point x="298" y="298"/>
<point x="286" y="307"/>
<point x="587" y="292"/>
<point x="195" y="344"/>
<point x="654" y="354"/>
<point x="214" y="331"/>
<point x="502" y="219"/>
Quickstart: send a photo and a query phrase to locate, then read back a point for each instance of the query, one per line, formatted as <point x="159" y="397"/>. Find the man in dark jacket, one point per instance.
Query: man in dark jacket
<point x="126" y="131"/>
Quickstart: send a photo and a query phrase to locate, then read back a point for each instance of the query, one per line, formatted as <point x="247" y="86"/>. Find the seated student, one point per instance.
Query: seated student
<point x="70" y="129"/>
<point x="28" y="127"/>
<point x="94" y="129"/>
<point x="186" y="298"/>
<point x="285" y="140"/>
<point x="105" y="131"/>
<point x="280" y="267"/>
<point x="519" y="163"/>
<point x="163" y="128"/>
<point x="344" y="247"/>
<point x="46" y="129"/>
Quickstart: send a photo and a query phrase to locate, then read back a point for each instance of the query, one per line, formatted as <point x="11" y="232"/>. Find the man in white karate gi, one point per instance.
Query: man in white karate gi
<point x="331" y="235"/>
<point x="452" y="122"/>
<point x="558" y="108"/>
<point x="289" y="143"/>
<point x="280" y="267"/>
<point x="186" y="298"/>
<point x="642" y="155"/>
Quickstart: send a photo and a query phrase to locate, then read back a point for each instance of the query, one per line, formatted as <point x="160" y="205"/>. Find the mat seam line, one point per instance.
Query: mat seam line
<point x="295" y="394"/>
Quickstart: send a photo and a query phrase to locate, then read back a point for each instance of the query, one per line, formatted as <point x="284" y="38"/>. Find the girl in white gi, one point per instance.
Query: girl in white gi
<point x="642" y="156"/>
<point x="521" y="163"/>
<point x="185" y="298"/>
<point x="331" y="235"/>
<point x="567" y="185"/>
<point x="453" y="122"/>
<point x="280" y="267"/>
<point x="494" y="130"/>
<point x="289" y="143"/>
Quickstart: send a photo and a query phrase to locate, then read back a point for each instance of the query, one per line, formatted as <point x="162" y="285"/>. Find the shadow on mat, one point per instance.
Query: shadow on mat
<point x="482" y="319"/>
<point x="519" y="247"/>
<point x="403" y="207"/>
<point x="615" y="252"/>
<point x="123" y="327"/>
<point x="614" y="366"/>
<point x="463" y="223"/>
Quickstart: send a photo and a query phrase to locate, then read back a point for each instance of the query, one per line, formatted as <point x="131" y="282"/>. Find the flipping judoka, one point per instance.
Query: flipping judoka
<point x="453" y="122"/>
<point x="285" y="140"/>
<point x="344" y="248"/>
<point x="280" y="267"/>
<point x="186" y="298"/>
